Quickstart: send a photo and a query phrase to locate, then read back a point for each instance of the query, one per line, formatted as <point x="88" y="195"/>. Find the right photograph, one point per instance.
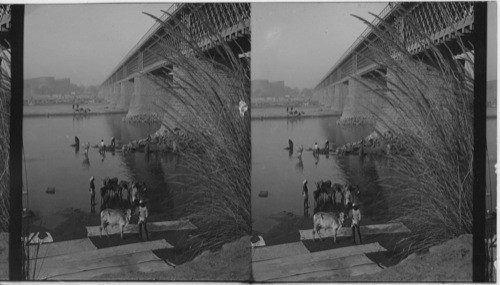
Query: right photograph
<point x="363" y="141"/>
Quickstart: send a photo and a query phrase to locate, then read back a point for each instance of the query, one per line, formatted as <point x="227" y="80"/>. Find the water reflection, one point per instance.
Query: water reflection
<point x="274" y="171"/>
<point x="86" y="161"/>
<point x="363" y="172"/>
<point x="300" y="165"/>
<point x="60" y="167"/>
<point x="103" y="155"/>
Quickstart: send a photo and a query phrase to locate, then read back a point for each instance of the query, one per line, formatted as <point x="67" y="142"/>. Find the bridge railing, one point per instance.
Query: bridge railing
<point x="436" y="22"/>
<point x="382" y="15"/>
<point x="229" y="19"/>
<point x="145" y="37"/>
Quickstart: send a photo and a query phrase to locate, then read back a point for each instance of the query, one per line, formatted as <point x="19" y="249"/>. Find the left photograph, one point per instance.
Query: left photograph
<point x="5" y="99"/>
<point x="136" y="142"/>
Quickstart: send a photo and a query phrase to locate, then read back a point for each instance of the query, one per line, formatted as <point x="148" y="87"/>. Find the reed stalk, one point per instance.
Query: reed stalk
<point x="202" y="90"/>
<point x="426" y="102"/>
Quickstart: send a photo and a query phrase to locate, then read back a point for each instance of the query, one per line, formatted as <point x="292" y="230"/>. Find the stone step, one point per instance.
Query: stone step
<point x="277" y="251"/>
<point x="152" y="227"/>
<point x="305" y="265"/>
<point x="391" y="228"/>
<point x="144" y="267"/>
<point x="332" y="275"/>
<point x="124" y="255"/>
<point x="61" y="248"/>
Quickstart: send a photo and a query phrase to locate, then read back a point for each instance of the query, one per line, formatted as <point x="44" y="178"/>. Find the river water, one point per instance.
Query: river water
<point x="491" y="160"/>
<point x="51" y="162"/>
<point x="275" y="171"/>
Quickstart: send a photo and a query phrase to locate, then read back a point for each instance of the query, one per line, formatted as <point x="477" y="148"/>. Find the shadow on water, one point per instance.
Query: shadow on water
<point x="300" y="165"/>
<point x="362" y="171"/>
<point x="281" y="175"/>
<point x="68" y="171"/>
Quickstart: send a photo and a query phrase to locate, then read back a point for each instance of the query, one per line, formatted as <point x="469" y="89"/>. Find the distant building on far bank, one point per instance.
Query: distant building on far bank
<point x="272" y="94"/>
<point x="49" y="90"/>
<point x="264" y="88"/>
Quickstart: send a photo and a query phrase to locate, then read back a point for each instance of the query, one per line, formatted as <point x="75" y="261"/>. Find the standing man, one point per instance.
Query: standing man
<point x="143" y="217"/>
<point x="300" y="150"/>
<point x="338" y="199"/>
<point x="305" y="193"/>
<point x="92" y="191"/>
<point x="356" y="219"/>
<point x="347" y="197"/>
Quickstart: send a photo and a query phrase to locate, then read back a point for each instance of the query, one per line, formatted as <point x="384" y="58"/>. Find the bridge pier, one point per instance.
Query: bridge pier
<point x="108" y="93"/>
<point x="360" y="103"/>
<point x="126" y="91"/>
<point x="115" y="94"/>
<point x="142" y="104"/>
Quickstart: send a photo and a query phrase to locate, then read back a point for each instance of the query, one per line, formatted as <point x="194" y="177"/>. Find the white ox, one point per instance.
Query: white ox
<point x="111" y="217"/>
<point x="324" y="221"/>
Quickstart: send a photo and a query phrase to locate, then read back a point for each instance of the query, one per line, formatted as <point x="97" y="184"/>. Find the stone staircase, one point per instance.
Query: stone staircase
<point x="294" y="263"/>
<point x="81" y="262"/>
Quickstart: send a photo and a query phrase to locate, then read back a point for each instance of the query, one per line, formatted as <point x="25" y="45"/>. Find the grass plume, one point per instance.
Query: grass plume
<point x="426" y="100"/>
<point x="205" y="79"/>
<point x="4" y="128"/>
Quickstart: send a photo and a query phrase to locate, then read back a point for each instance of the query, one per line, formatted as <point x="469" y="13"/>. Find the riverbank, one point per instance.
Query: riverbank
<point x="67" y="110"/>
<point x="281" y="113"/>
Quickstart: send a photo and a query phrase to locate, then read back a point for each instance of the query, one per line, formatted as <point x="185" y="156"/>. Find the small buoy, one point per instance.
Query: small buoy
<point x="263" y="194"/>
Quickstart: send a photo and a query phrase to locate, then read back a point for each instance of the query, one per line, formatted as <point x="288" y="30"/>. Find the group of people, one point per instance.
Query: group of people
<point x="316" y="149"/>
<point x="325" y="150"/>
<point x="143" y="210"/>
<point x="342" y="200"/>
<point x="102" y="145"/>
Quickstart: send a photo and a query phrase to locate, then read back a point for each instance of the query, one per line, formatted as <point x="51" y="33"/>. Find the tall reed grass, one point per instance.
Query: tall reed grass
<point x="426" y="100"/>
<point x="4" y="128"/>
<point x="202" y="90"/>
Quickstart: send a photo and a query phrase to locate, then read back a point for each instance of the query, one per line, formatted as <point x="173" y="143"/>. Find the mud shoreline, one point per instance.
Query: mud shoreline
<point x="280" y="113"/>
<point x="66" y="110"/>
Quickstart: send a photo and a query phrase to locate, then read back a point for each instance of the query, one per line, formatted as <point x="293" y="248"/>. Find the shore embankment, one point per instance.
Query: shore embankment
<point x="67" y="110"/>
<point x="281" y="113"/>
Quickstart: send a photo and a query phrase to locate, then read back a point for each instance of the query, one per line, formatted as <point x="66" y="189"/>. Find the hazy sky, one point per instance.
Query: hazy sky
<point x="294" y="42"/>
<point x="300" y="42"/>
<point x="491" y="48"/>
<point x="82" y="42"/>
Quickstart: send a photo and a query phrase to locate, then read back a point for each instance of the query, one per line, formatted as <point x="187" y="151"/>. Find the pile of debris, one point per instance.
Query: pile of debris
<point x="162" y="140"/>
<point x="375" y="143"/>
